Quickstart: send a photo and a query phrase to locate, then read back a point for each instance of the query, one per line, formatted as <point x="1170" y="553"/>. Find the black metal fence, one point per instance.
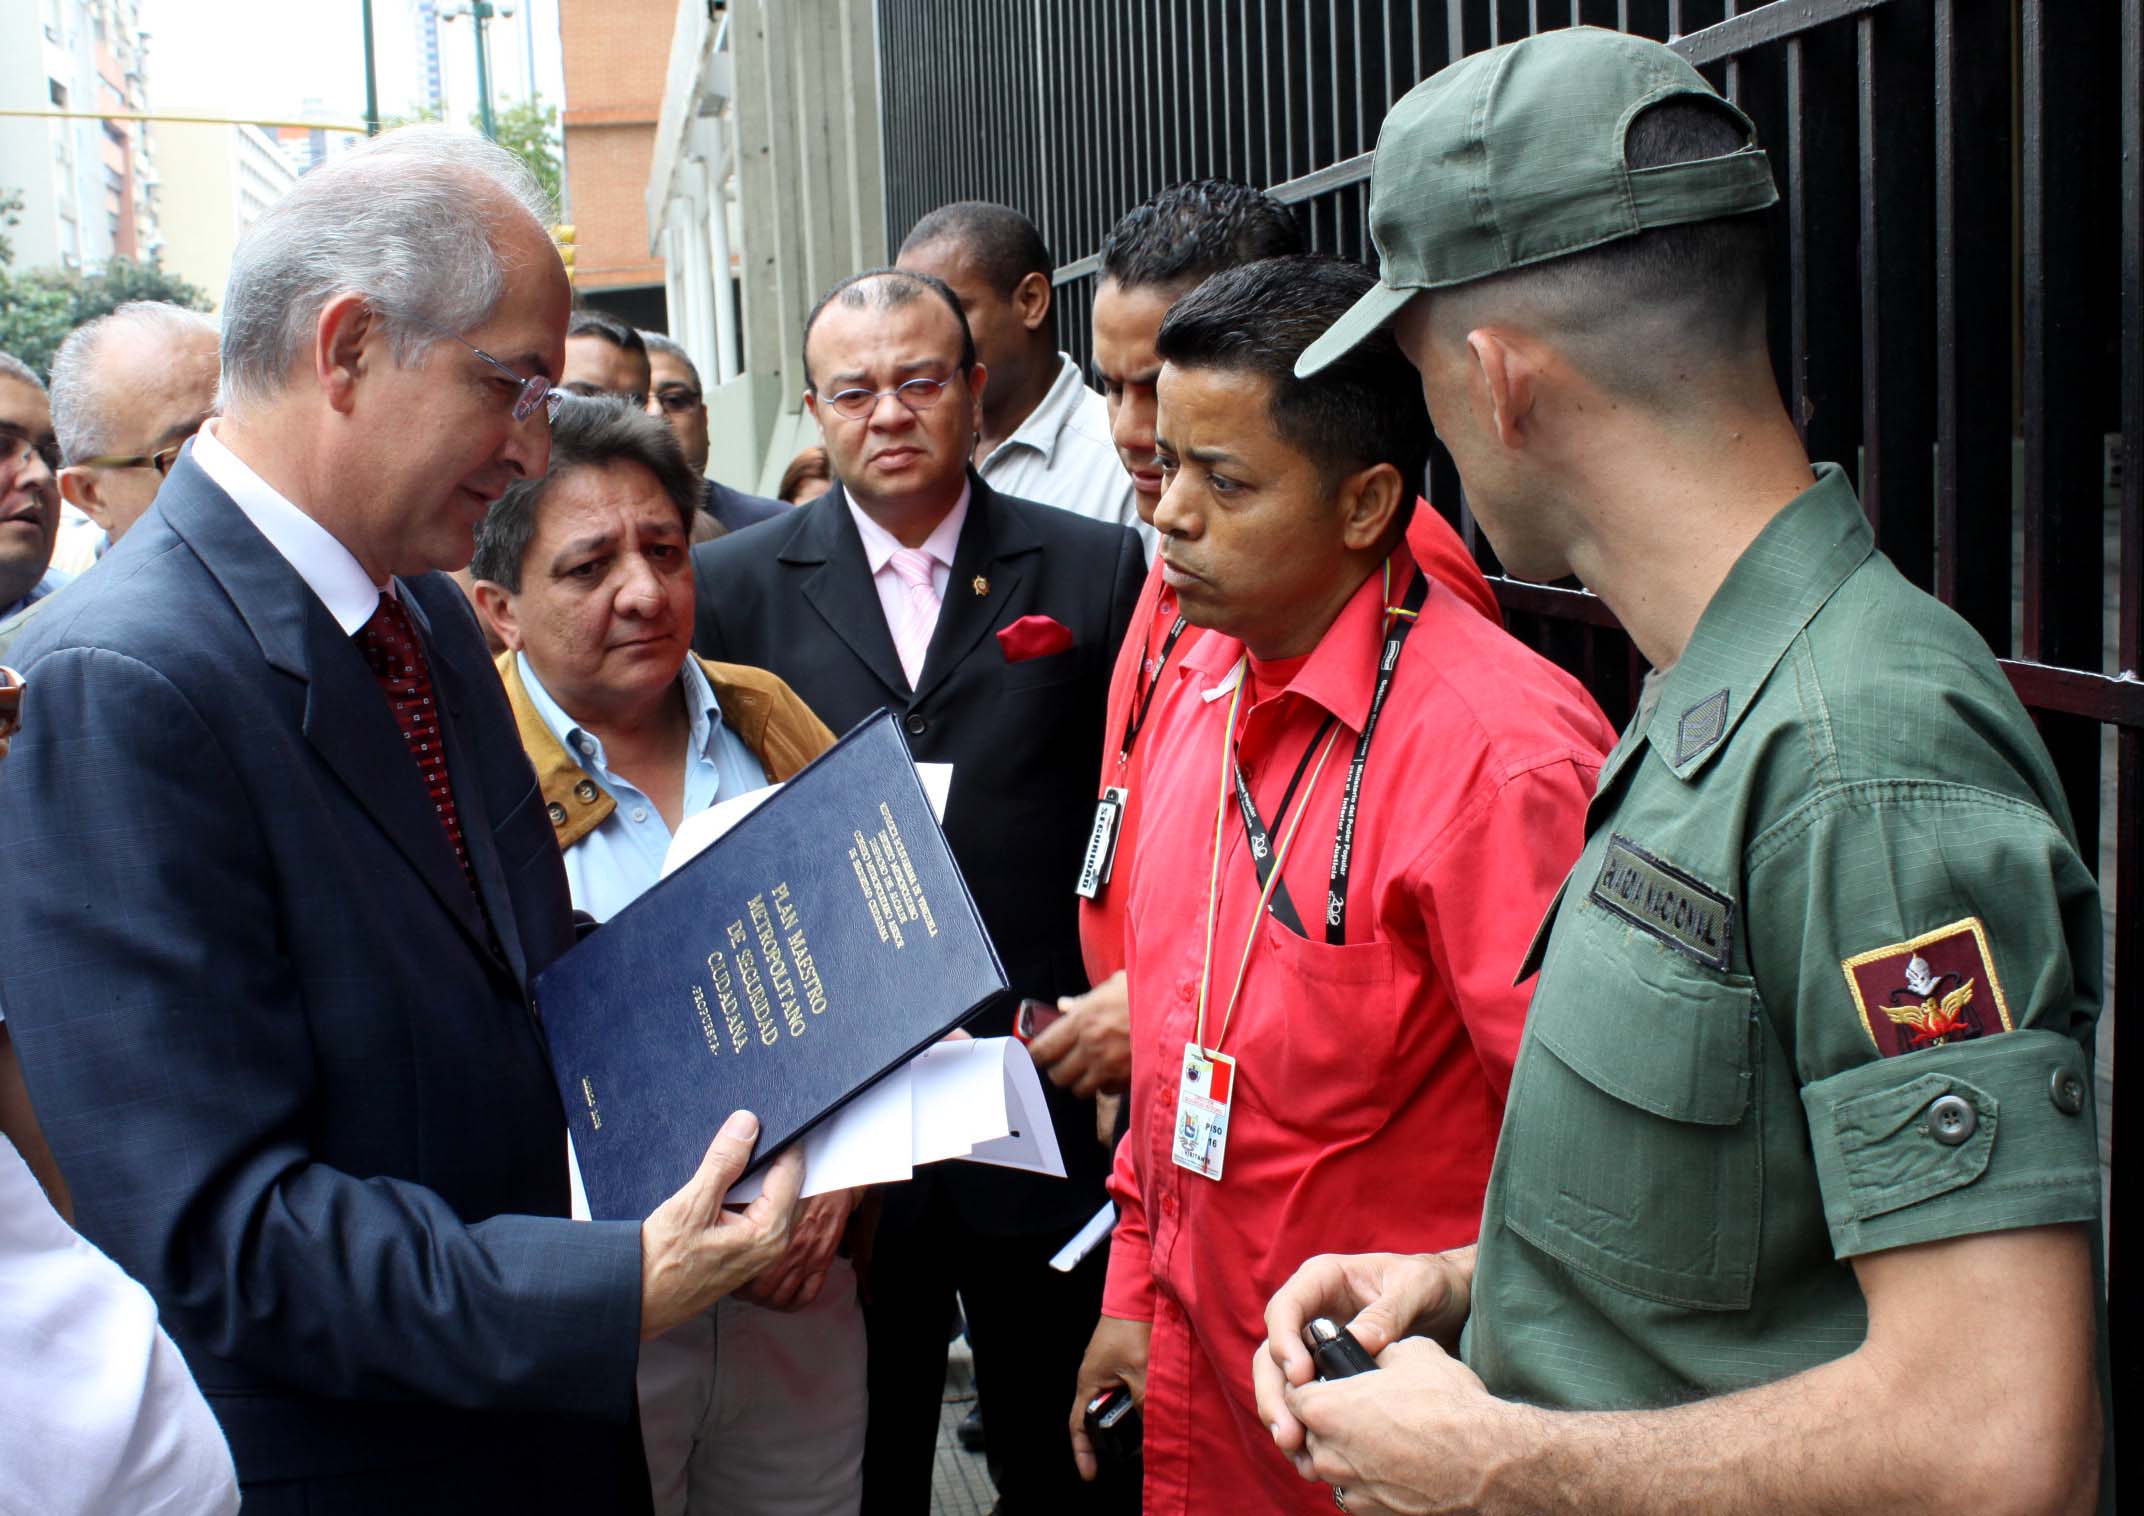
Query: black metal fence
<point x="1958" y="301"/>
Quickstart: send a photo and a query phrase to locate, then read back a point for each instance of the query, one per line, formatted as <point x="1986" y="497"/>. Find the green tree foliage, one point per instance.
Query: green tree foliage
<point x="527" y="128"/>
<point x="39" y="308"/>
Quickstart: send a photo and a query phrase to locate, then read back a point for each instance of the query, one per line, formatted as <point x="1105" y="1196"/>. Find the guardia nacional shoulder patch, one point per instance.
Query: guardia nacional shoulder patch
<point x="1935" y="990"/>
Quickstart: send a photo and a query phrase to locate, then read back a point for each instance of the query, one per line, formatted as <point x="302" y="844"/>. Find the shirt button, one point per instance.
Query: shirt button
<point x="916" y="725"/>
<point x="640" y="813"/>
<point x="586" y="745"/>
<point x="2066" y="1090"/>
<point x="1185" y="991"/>
<point x="1951" y="1119"/>
<point x="585" y="792"/>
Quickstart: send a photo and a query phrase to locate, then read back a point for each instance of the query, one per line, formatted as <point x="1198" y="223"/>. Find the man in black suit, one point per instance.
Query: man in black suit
<point x="674" y="393"/>
<point x="279" y="876"/>
<point x="989" y="625"/>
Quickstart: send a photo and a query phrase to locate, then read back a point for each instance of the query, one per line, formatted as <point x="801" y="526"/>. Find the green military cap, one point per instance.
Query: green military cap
<point x="1515" y="156"/>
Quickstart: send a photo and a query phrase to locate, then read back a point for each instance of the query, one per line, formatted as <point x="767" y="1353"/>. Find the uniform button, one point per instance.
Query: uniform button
<point x="1184" y="991"/>
<point x="640" y="813"/>
<point x="587" y="745"/>
<point x="557" y="813"/>
<point x="585" y="792"/>
<point x="1951" y="1119"/>
<point x="916" y="725"/>
<point x="2066" y="1090"/>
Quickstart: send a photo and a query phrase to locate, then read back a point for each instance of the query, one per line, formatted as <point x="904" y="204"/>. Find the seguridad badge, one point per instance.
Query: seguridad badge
<point x="1202" y="1100"/>
<point x="1938" y="989"/>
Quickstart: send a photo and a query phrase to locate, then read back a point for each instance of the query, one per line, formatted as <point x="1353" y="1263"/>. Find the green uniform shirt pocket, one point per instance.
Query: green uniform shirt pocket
<point x="1639" y="1158"/>
<point x="1951" y="1141"/>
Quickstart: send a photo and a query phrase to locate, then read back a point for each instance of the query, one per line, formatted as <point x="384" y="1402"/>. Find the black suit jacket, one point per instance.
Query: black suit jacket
<point x="794" y="596"/>
<point x="284" y="1055"/>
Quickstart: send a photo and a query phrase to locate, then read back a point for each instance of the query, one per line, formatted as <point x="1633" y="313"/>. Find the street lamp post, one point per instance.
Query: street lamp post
<point x="480" y="12"/>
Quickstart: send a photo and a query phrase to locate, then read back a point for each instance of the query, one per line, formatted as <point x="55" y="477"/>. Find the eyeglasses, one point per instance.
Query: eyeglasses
<point x="916" y="394"/>
<point x="160" y="460"/>
<point x="16" y="447"/>
<point x="535" y="388"/>
<point x="677" y="399"/>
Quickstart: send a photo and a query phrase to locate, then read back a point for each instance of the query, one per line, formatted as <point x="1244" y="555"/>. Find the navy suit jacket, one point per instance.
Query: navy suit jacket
<point x="286" y="1060"/>
<point x="794" y="596"/>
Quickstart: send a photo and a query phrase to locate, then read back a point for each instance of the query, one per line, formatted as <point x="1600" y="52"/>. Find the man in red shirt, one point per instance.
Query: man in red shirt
<point x="1361" y="795"/>
<point x="1160" y="251"/>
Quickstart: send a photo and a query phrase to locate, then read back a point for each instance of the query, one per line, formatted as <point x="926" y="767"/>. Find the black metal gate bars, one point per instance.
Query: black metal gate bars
<point x="1958" y="301"/>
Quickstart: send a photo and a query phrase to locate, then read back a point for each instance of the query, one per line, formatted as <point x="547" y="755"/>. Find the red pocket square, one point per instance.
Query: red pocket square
<point x="1033" y="637"/>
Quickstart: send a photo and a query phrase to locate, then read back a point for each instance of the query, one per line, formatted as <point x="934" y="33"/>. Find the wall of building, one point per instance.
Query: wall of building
<point x="615" y="52"/>
<point x="767" y="187"/>
<point x="218" y="180"/>
<point x="89" y="187"/>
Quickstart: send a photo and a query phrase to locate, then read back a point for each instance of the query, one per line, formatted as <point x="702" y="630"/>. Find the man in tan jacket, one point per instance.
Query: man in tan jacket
<point x="584" y="577"/>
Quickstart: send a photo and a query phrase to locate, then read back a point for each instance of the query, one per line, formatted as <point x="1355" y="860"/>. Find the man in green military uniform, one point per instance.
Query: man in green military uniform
<point x="1793" y="1203"/>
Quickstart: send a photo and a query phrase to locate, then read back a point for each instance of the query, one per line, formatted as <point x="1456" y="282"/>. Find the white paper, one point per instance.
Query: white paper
<point x="977" y="1099"/>
<point x="1086" y="1239"/>
<point x="1030" y="1140"/>
<point x="957" y="1090"/>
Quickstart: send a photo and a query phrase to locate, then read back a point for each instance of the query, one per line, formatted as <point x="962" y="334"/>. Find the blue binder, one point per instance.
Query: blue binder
<point x="819" y="944"/>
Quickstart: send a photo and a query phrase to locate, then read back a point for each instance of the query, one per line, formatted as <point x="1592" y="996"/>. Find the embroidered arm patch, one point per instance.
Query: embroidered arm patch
<point x="1940" y="988"/>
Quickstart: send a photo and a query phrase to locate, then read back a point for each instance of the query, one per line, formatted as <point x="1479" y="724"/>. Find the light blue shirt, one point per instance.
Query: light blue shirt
<point x="609" y="867"/>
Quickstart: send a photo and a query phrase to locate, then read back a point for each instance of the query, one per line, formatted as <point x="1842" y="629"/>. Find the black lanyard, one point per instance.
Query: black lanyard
<point x="1260" y="838"/>
<point x="1137" y="718"/>
<point x="1255" y="830"/>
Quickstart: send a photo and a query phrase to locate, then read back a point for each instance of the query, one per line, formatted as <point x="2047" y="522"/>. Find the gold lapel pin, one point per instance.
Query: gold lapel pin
<point x="982" y="585"/>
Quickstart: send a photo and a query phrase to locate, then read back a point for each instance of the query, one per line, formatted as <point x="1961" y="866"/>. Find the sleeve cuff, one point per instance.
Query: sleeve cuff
<point x="1129" y="1293"/>
<point x="1982" y="1136"/>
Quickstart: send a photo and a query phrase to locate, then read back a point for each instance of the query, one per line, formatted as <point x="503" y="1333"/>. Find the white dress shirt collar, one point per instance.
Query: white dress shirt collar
<point x="328" y="568"/>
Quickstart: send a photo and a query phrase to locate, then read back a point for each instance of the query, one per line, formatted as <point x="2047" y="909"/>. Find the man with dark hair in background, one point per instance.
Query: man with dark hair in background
<point x="1321" y="949"/>
<point x="604" y="356"/>
<point x="1821" y="988"/>
<point x="1043" y="435"/>
<point x="988" y="625"/>
<point x="675" y="392"/>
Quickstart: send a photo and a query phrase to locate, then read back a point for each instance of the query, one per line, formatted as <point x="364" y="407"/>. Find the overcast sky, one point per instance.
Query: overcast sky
<point x="267" y="58"/>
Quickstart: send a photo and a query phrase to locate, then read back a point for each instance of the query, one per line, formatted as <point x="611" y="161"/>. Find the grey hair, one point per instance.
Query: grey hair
<point x="12" y="367"/>
<point x="589" y="431"/>
<point x="80" y="415"/>
<point x="658" y="343"/>
<point x="408" y="221"/>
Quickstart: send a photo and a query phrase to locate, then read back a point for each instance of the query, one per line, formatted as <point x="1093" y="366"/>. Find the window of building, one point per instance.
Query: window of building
<point x="58" y="92"/>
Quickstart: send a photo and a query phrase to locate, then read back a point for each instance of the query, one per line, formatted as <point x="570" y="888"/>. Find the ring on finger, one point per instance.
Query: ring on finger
<point x="1339" y="1499"/>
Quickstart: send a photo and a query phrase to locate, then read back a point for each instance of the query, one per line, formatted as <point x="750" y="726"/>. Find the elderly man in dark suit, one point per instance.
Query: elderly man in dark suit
<point x="988" y="624"/>
<point x="279" y="876"/>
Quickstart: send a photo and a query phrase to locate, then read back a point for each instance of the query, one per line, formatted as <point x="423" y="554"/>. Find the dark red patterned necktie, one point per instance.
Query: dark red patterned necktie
<point x="389" y="643"/>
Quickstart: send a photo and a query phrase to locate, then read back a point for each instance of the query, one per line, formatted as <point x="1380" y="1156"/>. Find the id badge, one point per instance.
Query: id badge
<point x="1202" y="1098"/>
<point x="1101" y="855"/>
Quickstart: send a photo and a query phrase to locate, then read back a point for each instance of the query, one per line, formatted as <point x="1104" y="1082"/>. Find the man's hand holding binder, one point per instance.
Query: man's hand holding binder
<point x="693" y="1251"/>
